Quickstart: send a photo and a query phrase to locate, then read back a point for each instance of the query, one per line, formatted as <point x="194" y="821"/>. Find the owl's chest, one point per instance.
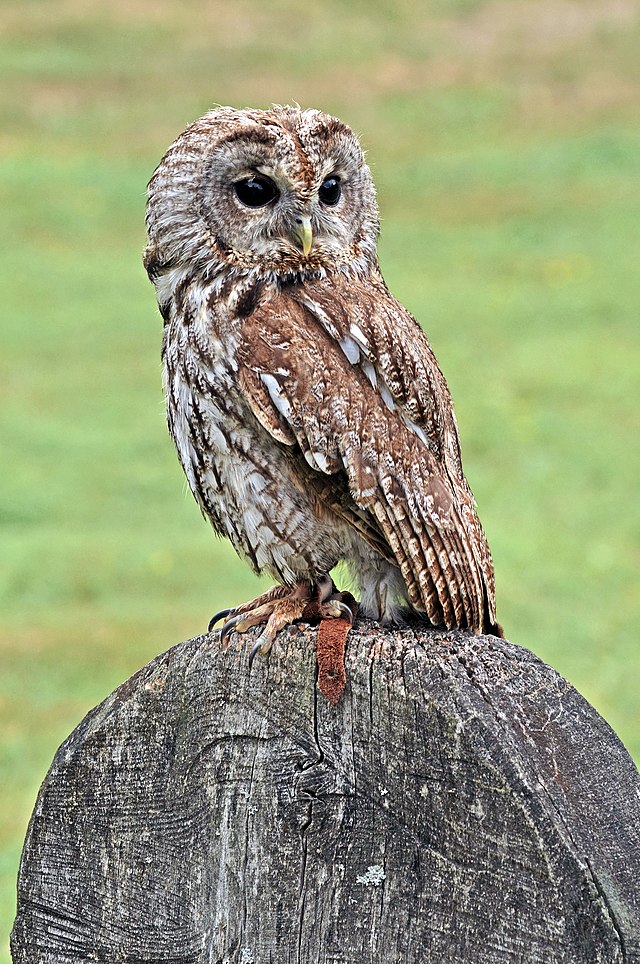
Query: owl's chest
<point x="208" y="417"/>
<point x="229" y="460"/>
<point x="245" y="481"/>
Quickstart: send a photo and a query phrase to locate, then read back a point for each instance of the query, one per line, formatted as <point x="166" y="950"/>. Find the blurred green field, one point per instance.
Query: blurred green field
<point x="504" y="139"/>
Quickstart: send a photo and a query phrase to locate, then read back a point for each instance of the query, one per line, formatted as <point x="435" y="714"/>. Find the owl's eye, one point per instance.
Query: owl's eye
<point x="329" y="191"/>
<point x="256" y="191"/>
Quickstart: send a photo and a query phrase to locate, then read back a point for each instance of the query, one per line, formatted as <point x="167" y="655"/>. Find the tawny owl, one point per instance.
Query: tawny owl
<point x="309" y="413"/>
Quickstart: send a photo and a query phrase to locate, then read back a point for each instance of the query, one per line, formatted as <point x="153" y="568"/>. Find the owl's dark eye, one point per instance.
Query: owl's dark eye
<point x="329" y="191"/>
<point x="256" y="191"/>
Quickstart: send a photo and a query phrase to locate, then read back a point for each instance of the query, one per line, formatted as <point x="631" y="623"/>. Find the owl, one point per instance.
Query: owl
<point x="308" y="411"/>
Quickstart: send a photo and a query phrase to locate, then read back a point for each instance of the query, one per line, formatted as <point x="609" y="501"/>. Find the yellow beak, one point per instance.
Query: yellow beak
<point x="303" y="234"/>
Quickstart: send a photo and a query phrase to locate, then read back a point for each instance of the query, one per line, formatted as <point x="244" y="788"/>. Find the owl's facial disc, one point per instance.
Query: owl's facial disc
<point x="289" y="196"/>
<point x="282" y="219"/>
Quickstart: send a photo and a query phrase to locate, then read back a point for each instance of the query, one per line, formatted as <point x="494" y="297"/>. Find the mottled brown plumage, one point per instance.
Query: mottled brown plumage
<point x="308" y="410"/>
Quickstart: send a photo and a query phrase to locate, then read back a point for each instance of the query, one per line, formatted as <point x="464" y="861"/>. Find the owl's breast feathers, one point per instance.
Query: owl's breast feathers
<point x="342" y="376"/>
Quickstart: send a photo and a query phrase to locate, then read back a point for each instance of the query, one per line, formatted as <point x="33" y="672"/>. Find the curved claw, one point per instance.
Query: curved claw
<point x="255" y="649"/>
<point x="218" y="616"/>
<point x="344" y="609"/>
<point x="229" y="626"/>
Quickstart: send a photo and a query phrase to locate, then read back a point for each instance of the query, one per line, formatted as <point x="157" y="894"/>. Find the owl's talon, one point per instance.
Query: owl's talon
<point x="344" y="609"/>
<point x="229" y="626"/>
<point x="265" y="641"/>
<point x="255" y="649"/>
<point x="218" y="616"/>
<point x="282" y="606"/>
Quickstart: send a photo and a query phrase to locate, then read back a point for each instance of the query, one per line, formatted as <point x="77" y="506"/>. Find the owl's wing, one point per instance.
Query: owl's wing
<point x="346" y="376"/>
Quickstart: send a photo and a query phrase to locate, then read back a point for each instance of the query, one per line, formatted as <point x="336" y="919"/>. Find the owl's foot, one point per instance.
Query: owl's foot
<point x="280" y="606"/>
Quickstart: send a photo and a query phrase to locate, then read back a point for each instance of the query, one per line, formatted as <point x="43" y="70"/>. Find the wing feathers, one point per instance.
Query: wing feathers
<point x="355" y="402"/>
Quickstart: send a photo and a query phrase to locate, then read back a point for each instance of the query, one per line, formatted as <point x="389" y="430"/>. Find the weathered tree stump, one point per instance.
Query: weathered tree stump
<point x="461" y="803"/>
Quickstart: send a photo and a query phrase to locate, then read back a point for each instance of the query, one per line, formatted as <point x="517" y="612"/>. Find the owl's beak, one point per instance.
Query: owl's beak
<point x="303" y="234"/>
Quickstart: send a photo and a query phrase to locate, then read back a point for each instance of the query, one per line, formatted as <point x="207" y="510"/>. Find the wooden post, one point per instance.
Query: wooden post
<point x="461" y="803"/>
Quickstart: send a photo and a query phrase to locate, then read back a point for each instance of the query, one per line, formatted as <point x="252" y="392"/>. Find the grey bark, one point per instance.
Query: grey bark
<point x="462" y="803"/>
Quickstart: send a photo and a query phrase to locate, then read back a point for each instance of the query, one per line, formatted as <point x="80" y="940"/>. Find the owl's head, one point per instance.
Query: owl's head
<point x="282" y="191"/>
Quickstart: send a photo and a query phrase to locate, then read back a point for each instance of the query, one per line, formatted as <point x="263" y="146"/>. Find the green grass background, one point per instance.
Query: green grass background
<point x="504" y="138"/>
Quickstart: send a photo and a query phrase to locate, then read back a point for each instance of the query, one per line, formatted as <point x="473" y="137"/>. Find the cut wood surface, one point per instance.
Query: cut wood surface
<point x="461" y="803"/>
